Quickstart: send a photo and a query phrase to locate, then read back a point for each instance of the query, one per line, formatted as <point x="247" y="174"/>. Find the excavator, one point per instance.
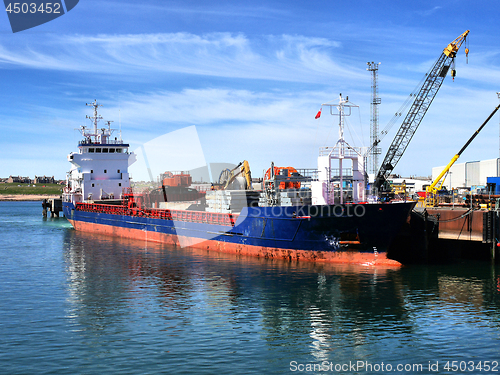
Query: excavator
<point x="423" y="99"/>
<point x="432" y="190"/>
<point x="228" y="176"/>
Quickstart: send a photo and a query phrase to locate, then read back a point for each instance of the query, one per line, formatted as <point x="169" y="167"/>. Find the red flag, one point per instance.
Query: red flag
<point x="318" y="114"/>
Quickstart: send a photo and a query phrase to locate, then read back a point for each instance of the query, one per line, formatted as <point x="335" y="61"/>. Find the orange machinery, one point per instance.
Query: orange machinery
<point x="284" y="172"/>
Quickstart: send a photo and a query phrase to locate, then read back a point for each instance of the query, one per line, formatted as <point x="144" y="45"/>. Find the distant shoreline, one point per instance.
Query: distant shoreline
<point x="26" y="197"/>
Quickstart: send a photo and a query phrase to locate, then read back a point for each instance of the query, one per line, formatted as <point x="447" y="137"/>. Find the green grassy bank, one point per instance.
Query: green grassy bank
<point x="24" y="189"/>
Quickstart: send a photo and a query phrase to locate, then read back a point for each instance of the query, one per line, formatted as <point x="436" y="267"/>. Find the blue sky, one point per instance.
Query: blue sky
<point x="249" y="75"/>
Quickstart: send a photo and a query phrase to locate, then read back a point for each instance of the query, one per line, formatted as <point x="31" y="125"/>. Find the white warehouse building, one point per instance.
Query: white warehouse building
<point x="469" y="174"/>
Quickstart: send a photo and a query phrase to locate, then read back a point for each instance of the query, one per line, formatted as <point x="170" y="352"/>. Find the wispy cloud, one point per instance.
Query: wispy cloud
<point x="161" y="82"/>
<point x="232" y="125"/>
<point x="235" y="125"/>
<point x="429" y="12"/>
<point x="183" y="9"/>
<point x="282" y="58"/>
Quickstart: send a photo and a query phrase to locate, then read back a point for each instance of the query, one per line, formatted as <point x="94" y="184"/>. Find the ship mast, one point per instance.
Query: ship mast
<point x="341" y="143"/>
<point x="95" y="119"/>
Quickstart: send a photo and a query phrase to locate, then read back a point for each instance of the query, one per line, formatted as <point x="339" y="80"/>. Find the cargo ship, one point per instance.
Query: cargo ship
<point x="321" y="215"/>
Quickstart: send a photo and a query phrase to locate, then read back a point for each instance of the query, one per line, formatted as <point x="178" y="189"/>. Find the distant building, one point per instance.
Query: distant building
<point x="44" y="180"/>
<point x="470" y="174"/>
<point x="19" y="180"/>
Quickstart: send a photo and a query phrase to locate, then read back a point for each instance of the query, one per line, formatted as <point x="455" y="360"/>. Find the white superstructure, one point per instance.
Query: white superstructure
<point x="99" y="170"/>
<point x="346" y="182"/>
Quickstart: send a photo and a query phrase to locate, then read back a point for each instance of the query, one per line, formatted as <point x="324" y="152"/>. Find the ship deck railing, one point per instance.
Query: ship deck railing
<point x="334" y="152"/>
<point x="85" y="142"/>
<point x="228" y="219"/>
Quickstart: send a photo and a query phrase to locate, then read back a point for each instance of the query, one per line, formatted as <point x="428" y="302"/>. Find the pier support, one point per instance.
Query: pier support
<point x="466" y="233"/>
<point x="54" y="205"/>
<point x="490" y="230"/>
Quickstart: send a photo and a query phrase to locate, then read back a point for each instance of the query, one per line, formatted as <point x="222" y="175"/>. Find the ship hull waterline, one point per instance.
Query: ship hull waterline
<point x="260" y="232"/>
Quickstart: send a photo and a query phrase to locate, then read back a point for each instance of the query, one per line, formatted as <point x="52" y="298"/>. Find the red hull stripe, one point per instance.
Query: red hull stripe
<point x="348" y="256"/>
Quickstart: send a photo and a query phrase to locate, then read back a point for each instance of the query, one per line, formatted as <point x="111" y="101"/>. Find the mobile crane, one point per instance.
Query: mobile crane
<point x="428" y="90"/>
<point x="432" y="190"/>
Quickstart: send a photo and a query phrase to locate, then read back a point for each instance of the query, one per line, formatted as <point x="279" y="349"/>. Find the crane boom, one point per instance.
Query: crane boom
<point x="432" y="189"/>
<point x="418" y="109"/>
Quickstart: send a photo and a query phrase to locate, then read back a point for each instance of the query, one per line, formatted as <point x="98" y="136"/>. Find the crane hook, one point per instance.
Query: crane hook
<point x="453" y="71"/>
<point x="467" y="51"/>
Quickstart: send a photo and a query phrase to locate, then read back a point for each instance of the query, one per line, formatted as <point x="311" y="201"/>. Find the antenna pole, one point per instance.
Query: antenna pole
<point x="120" y="121"/>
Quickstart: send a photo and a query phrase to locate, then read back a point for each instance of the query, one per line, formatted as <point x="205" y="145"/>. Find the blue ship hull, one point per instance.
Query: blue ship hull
<point x="356" y="233"/>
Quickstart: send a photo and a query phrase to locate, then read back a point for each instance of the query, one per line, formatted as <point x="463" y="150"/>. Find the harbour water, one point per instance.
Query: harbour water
<point x="74" y="303"/>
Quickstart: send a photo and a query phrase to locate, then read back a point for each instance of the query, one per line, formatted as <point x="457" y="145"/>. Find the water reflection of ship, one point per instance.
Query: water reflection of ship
<point x="473" y="287"/>
<point x="323" y="307"/>
<point x="117" y="257"/>
<point x="116" y="269"/>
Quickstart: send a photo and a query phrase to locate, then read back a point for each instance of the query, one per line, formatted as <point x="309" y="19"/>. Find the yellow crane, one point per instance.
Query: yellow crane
<point x="432" y="190"/>
<point x="227" y="176"/>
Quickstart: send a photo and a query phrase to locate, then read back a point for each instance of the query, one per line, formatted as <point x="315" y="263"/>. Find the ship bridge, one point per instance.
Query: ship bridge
<point x="100" y="167"/>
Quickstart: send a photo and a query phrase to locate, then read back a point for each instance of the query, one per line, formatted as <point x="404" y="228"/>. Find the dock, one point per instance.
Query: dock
<point x="461" y="223"/>
<point x="54" y="205"/>
<point x="470" y="233"/>
<point x="445" y="234"/>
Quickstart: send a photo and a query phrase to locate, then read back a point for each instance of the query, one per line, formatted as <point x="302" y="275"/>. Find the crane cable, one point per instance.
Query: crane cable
<point x="467" y="50"/>
<point x="402" y="110"/>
